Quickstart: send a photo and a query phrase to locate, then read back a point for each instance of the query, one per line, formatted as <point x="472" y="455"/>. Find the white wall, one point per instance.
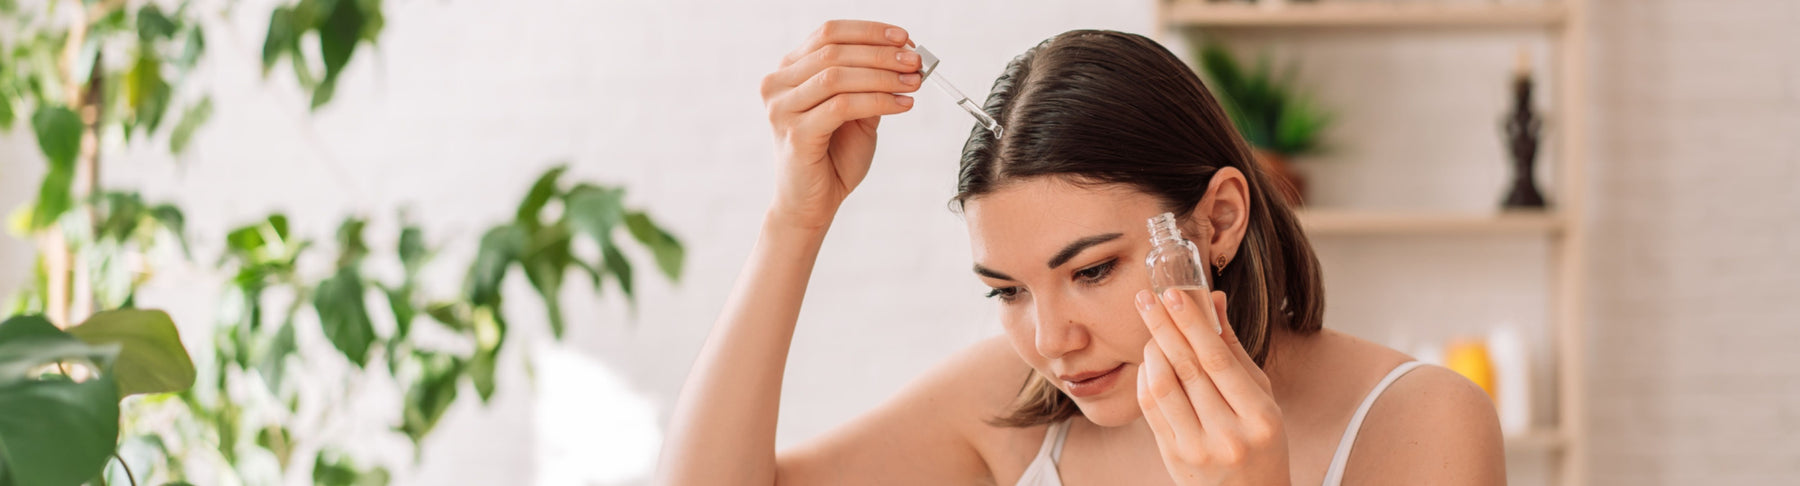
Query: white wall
<point x="1695" y="378"/>
<point x="469" y="100"/>
<point x="1697" y="166"/>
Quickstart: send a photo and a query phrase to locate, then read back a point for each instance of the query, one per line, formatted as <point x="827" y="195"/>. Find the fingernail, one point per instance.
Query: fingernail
<point x="896" y="35"/>
<point x="903" y="100"/>
<point x="1145" y="299"/>
<point x="907" y="57"/>
<point x="1172" y="298"/>
<point x="910" y="78"/>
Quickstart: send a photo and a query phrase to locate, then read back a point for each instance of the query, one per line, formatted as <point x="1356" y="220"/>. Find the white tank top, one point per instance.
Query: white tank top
<point x="1042" y="471"/>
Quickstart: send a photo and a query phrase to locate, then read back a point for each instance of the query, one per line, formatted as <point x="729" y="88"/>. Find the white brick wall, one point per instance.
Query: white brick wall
<point x="1696" y="199"/>
<point x="1695" y="375"/>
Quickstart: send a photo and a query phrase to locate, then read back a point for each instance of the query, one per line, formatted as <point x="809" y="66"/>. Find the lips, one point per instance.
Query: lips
<point x="1091" y="383"/>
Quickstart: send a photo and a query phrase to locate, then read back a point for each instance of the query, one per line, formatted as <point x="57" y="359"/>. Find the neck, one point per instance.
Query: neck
<point x="1288" y="360"/>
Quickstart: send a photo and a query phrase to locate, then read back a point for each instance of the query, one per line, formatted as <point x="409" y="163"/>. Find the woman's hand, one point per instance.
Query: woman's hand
<point x="824" y="104"/>
<point x="1210" y="406"/>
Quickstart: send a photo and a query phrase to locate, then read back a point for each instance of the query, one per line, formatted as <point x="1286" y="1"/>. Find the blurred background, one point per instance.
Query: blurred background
<point x="481" y="242"/>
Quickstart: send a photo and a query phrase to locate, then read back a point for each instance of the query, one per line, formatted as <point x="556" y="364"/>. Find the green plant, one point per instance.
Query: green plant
<point x="90" y="76"/>
<point x="60" y="391"/>
<point x="95" y="76"/>
<point x="257" y="352"/>
<point x="1267" y="108"/>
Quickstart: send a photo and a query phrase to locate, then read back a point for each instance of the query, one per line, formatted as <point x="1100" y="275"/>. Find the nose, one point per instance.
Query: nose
<point x="1057" y="332"/>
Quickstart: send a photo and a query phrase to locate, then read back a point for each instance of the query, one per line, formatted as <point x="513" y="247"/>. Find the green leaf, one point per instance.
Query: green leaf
<point x="120" y="213"/>
<point x="30" y="342"/>
<point x="333" y="468"/>
<point x="278" y="441"/>
<point x="272" y="361"/>
<point x="323" y="92"/>
<point x="351" y="246"/>
<point x="618" y="266"/>
<point x="54" y="198"/>
<point x="58" y="134"/>
<point x="171" y="219"/>
<point x="283" y="37"/>
<point x="344" y="316"/>
<point x="500" y="247"/>
<point x="545" y="268"/>
<point x="481" y="373"/>
<point x="539" y="195"/>
<point x="1264" y="106"/>
<point x="490" y="333"/>
<point x="55" y="433"/>
<point x="6" y="109"/>
<point x="412" y="250"/>
<point x="664" y="246"/>
<point x="193" y="48"/>
<point x="373" y="20"/>
<point x="153" y="25"/>
<point x="146" y="91"/>
<point x="450" y="314"/>
<point x="191" y="120"/>
<point x="400" y="302"/>
<point x="151" y="357"/>
<point x="431" y="395"/>
<point x="258" y="242"/>
<point x="338" y="36"/>
<point x="594" y="211"/>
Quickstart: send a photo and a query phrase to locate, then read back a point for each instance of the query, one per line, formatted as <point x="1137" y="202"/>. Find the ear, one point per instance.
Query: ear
<point x="1226" y="211"/>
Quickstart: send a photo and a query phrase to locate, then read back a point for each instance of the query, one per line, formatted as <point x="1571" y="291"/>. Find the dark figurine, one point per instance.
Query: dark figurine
<point x="1522" y="140"/>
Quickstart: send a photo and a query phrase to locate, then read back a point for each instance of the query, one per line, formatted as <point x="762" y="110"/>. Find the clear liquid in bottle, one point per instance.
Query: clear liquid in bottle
<point x="1174" y="262"/>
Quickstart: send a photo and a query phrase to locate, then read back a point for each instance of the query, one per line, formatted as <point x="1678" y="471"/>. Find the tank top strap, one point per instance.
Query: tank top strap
<point x="1334" y="474"/>
<point x="1061" y="431"/>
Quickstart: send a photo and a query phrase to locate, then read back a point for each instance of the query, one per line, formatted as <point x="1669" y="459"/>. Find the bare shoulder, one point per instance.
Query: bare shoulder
<point x="1431" y="426"/>
<point x="970" y="389"/>
<point x="984" y="377"/>
<point x="938" y="421"/>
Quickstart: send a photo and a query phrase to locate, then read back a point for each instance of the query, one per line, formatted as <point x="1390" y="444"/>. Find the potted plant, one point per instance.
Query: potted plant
<point x="1276" y="119"/>
<point x="97" y="81"/>
<point x="60" y="390"/>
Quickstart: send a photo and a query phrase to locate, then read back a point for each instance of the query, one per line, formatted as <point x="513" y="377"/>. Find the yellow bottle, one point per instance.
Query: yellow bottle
<point x="1469" y="357"/>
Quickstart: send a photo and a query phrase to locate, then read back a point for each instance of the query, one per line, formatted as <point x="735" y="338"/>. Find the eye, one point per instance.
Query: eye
<point x="1006" y="294"/>
<point x="1097" y="273"/>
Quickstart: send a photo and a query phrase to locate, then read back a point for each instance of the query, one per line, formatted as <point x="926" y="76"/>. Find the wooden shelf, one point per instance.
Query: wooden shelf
<point x="1364" y="13"/>
<point x="1535" y="440"/>
<point x="1331" y="222"/>
<point x="1564" y="24"/>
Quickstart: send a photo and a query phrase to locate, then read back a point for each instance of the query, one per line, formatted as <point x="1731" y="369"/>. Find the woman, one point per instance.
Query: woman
<point x="1096" y="381"/>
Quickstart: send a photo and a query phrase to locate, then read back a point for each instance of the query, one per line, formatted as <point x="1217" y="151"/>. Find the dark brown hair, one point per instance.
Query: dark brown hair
<point x="1104" y="107"/>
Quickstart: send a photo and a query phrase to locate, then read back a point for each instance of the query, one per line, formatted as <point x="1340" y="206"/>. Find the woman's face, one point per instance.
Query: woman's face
<point x="1065" y="262"/>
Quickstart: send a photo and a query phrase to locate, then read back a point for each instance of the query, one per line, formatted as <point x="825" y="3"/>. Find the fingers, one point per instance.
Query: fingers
<point x="896" y="59"/>
<point x="1233" y="378"/>
<point x="1229" y="335"/>
<point x="849" y="32"/>
<point x="1153" y="414"/>
<point x="838" y="80"/>
<point x="833" y="112"/>
<point x="1164" y="401"/>
<point x="1181" y="360"/>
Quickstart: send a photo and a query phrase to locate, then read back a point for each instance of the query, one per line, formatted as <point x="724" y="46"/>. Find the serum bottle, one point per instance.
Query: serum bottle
<point x="1175" y="262"/>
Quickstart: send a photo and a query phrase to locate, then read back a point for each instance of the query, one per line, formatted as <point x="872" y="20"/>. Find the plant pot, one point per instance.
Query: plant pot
<point x="1288" y="183"/>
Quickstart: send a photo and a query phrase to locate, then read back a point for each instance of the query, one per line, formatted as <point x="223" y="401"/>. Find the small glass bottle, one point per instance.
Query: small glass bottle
<point x="1175" y="262"/>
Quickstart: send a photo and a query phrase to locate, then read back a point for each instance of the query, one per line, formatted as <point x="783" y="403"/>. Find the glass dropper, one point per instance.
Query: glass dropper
<point x="929" y="63"/>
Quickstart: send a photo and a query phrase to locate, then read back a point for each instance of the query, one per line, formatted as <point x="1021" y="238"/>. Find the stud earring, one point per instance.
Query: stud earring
<point x="1220" y="263"/>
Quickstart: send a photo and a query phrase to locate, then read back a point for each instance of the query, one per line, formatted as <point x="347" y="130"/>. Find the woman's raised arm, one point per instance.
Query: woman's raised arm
<point x="824" y="102"/>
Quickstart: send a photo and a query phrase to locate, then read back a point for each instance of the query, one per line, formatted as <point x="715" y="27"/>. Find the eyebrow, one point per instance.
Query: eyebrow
<point x="990" y="273"/>
<point x="1068" y="252"/>
<point x="1075" y="247"/>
